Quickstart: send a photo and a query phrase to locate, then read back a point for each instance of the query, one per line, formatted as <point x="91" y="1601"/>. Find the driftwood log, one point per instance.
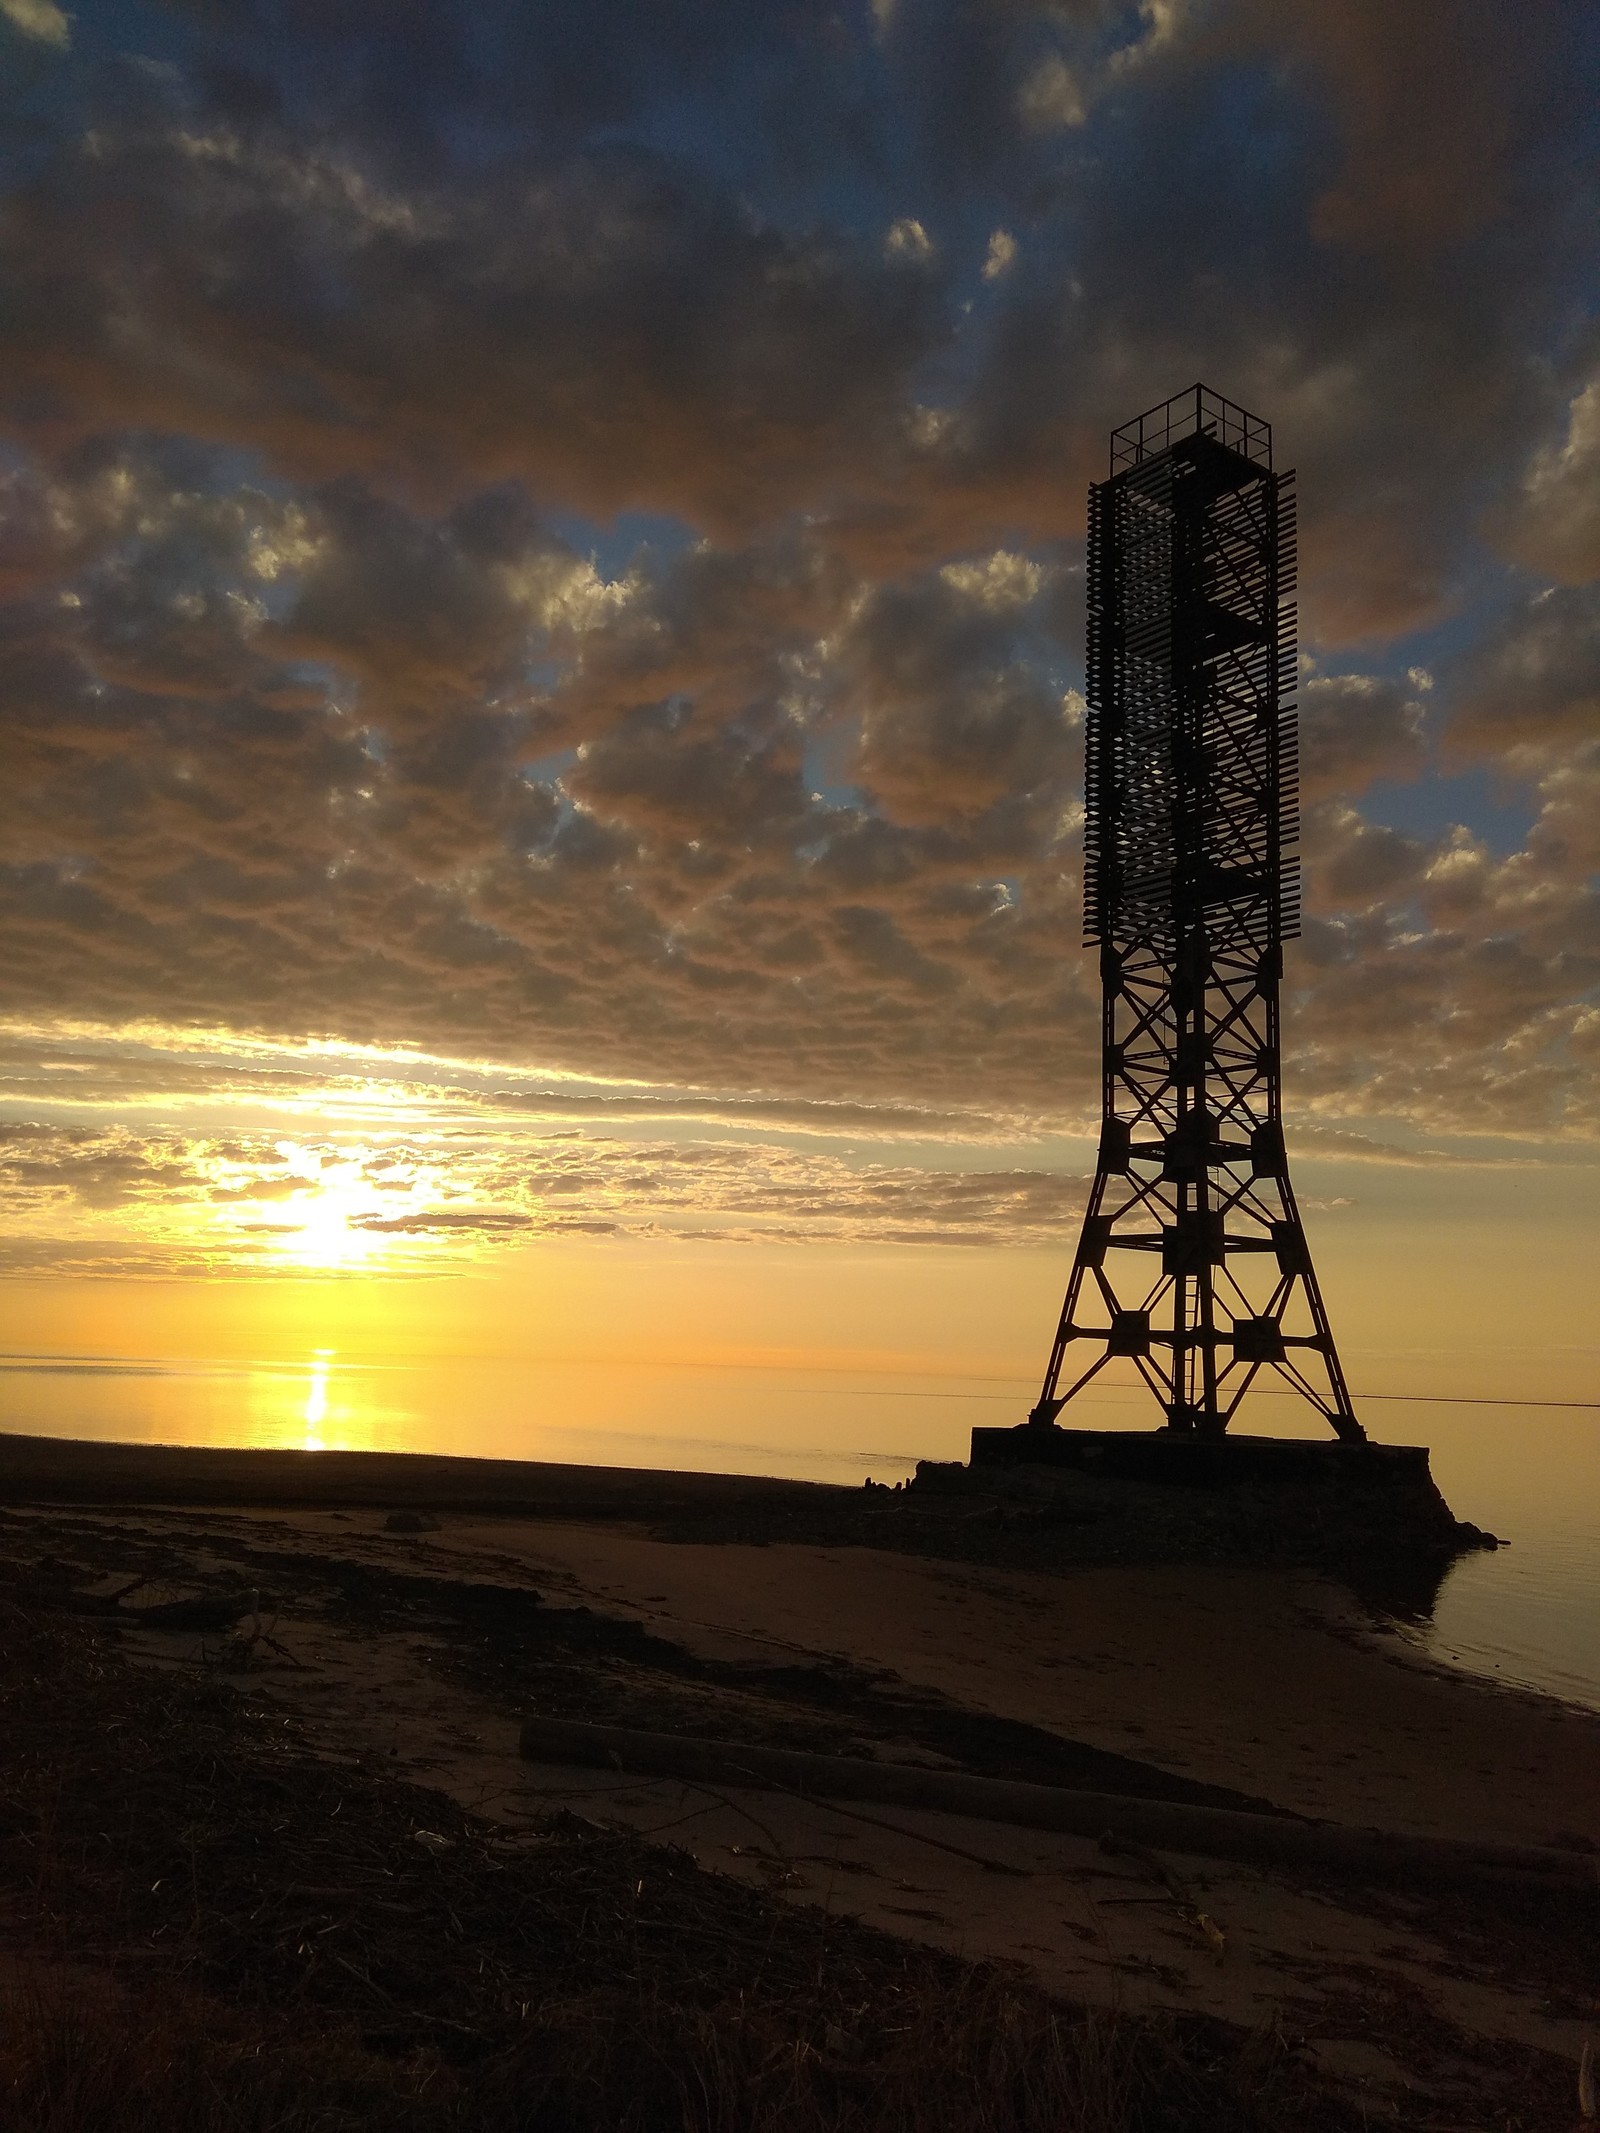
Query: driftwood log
<point x="1280" y="1841"/>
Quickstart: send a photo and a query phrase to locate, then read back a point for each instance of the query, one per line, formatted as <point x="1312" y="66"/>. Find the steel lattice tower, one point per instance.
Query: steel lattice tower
<point x="1193" y="1259"/>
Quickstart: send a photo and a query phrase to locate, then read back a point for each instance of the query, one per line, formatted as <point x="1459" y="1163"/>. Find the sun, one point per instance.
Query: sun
<point x="324" y="1229"/>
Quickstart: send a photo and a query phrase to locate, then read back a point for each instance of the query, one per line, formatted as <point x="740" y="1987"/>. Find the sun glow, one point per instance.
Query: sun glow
<point x="335" y="1210"/>
<point x="323" y="1228"/>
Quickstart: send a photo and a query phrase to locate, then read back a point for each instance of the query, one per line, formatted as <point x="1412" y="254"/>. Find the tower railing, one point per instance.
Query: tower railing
<point x="1198" y="411"/>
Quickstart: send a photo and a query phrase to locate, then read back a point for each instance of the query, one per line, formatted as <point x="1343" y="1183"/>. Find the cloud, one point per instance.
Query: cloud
<point x="616" y="323"/>
<point x="1355" y="865"/>
<point x="1430" y="99"/>
<point x="953" y="716"/>
<point x="1533" y="683"/>
<point x="497" y="563"/>
<point x="39" y="19"/>
<point x="1341" y="1145"/>
<point x="908" y="242"/>
<point x="165" y="1201"/>
<point x="97" y="1070"/>
<point x="1555" y="525"/>
<point x="286" y="294"/>
<point x="355" y="832"/>
<point x="1001" y="255"/>
<point x="1355" y="728"/>
<point x="343" y="841"/>
<point x="1050" y="98"/>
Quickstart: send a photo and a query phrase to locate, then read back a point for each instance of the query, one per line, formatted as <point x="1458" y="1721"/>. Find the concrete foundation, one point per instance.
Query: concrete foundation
<point x="1206" y="1462"/>
<point x="1176" y="1496"/>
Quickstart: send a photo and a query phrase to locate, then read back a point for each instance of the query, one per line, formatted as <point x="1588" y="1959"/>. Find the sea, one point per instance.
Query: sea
<point x="1527" y="1613"/>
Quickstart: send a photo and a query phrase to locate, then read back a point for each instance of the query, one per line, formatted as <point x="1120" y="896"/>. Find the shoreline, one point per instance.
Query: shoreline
<point x="1405" y="1643"/>
<point x="1362" y="1601"/>
<point x="1390" y="1637"/>
<point x="106" y="1470"/>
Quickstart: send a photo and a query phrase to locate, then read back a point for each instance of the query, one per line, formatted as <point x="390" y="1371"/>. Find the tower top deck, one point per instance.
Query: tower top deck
<point x="1195" y="412"/>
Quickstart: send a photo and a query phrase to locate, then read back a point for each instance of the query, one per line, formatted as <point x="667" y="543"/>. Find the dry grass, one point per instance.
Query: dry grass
<point x="213" y="1931"/>
<point x="78" y="2055"/>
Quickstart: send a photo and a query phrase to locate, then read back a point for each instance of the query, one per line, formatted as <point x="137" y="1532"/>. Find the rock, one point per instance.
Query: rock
<point x="944" y="1477"/>
<point x="410" y="1522"/>
<point x="1470" y="1536"/>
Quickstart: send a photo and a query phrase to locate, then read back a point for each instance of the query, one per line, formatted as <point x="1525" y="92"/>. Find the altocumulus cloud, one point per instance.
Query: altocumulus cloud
<point x="117" y="1201"/>
<point x="553" y="538"/>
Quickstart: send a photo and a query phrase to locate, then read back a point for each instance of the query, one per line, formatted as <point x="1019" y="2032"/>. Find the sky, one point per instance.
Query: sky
<point x="541" y="598"/>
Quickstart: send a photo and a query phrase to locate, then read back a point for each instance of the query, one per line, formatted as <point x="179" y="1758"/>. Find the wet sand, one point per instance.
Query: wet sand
<point x="1262" y="1681"/>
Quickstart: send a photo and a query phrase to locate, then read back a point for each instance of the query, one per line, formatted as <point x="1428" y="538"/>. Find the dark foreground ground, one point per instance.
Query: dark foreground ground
<point x="227" y="1901"/>
<point x="208" y="1926"/>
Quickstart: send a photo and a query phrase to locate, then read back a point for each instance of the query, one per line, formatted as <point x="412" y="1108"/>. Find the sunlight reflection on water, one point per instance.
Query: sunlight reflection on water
<point x="1529" y="1613"/>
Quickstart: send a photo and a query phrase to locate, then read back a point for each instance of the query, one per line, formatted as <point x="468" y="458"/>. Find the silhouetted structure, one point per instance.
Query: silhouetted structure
<point x="1193" y="1260"/>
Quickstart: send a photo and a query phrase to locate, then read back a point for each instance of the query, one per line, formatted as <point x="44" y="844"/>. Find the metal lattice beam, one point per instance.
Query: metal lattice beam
<point x="1193" y="1260"/>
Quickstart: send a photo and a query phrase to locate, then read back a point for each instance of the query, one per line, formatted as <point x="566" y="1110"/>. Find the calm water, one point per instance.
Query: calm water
<point x="1529" y="1613"/>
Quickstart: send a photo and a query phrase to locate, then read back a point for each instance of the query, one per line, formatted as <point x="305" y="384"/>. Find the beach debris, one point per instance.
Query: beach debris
<point x="251" y="1641"/>
<point x="1183" y="1897"/>
<point x="191" y="1608"/>
<point x="57" y="1583"/>
<point x="56" y="1570"/>
<point x="921" y="1836"/>
<point x="205" y="1610"/>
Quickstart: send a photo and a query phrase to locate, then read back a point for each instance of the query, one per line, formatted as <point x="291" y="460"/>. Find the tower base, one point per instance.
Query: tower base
<point x="1206" y="1462"/>
<point x="1172" y="1496"/>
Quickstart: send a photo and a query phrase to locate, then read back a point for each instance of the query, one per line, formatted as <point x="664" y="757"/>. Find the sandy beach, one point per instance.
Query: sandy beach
<point x="417" y="1653"/>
